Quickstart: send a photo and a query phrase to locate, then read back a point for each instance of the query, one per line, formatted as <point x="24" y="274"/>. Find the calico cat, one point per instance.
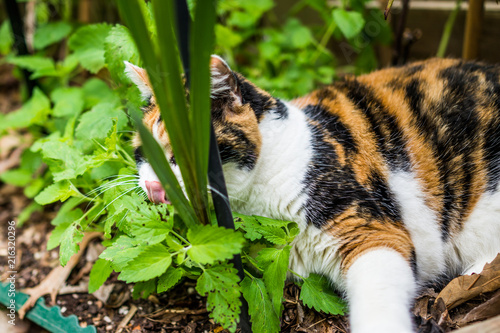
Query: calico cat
<point x="392" y="176"/>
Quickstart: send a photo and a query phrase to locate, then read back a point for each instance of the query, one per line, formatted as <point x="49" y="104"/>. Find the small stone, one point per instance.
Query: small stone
<point x="63" y="309"/>
<point x="75" y="296"/>
<point x="123" y="310"/>
<point x="107" y="319"/>
<point x="191" y="290"/>
<point x="109" y="327"/>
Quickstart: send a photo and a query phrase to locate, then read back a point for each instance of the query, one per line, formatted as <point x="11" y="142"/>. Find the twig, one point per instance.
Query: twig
<point x="53" y="282"/>
<point x="126" y="319"/>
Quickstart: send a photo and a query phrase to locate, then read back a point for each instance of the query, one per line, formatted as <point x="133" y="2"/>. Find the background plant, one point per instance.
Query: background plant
<point x="79" y="132"/>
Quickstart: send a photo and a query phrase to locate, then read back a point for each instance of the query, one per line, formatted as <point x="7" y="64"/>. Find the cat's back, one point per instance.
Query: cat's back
<point x="427" y="137"/>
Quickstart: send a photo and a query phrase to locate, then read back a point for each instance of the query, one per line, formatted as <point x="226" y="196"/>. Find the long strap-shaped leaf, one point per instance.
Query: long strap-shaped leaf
<point x="132" y="14"/>
<point x="183" y="135"/>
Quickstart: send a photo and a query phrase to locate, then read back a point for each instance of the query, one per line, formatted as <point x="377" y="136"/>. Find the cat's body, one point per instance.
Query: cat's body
<point x="392" y="176"/>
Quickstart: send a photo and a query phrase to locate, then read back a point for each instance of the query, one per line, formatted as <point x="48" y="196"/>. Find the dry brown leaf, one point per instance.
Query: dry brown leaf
<point x="466" y="287"/>
<point x="56" y="278"/>
<point x="488" y="309"/>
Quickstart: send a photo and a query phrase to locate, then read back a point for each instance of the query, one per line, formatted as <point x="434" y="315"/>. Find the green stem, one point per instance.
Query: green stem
<point x="296" y="274"/>
<point x="445" y="38"/>
<point x="324" y="40"/>
<point x="180" y="237"/>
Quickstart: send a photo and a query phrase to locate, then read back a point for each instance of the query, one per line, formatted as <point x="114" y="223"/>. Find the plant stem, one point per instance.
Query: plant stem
<point x="443" y="44"/>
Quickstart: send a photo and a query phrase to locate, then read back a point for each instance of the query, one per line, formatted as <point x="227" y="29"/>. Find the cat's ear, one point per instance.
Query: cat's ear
<point x="140" y="78"/>
<point x="224" y="83"/>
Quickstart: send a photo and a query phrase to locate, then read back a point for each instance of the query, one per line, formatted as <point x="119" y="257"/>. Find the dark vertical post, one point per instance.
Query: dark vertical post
<point x="215" y="173"/>
<point x="19" y="40"/>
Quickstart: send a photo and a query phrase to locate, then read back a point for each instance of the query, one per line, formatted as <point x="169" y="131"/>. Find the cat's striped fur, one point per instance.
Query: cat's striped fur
<point x="392" y="176"/>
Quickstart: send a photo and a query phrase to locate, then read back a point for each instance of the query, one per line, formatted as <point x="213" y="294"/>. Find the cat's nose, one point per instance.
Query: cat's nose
<point x="155" y="191"/>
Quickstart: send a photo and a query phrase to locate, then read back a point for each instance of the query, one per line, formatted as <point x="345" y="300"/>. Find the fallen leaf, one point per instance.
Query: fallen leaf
<point x="466" y="287"/>
<point x="488" y="309"/>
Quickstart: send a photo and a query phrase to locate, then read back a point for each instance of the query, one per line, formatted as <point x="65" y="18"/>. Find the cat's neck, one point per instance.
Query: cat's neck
<point x="275" y="185"/>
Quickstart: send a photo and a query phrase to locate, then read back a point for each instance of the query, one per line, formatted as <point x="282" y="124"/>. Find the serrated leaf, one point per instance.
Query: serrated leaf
<point x="220" y="282"/>
<point x="50" y="33"/>
<point x="119" y="46"/>
<point x="69" y="243"/>
<point x="101" y="270"/>
<point x="250" y="225"/>
<point x="97" y="123"/>
<point x="123" y="250"/>
<point x="169" y="279"/>
<point x="264" y="318"/>
<point x="150" y="223"/>
<point x="56" y="235"/>
<point x="316" y="293"/>
<point x="65" y="161"/>
<point x="210" y="243"/>
<point x="87" y="44"/>
<point x="34" y="111"/>
<point x="274" y="262"/>
<point x="153" y="261"/>
<point x="275" y="235"/>
<point x="58" y="191"/>
<point x="350" y="23"/>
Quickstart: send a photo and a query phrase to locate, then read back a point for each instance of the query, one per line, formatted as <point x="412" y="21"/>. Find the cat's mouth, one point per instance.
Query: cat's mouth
<point x="156" y="193"/>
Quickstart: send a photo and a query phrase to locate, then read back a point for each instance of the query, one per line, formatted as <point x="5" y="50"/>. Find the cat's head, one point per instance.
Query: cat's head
<point x="238" y="106"/>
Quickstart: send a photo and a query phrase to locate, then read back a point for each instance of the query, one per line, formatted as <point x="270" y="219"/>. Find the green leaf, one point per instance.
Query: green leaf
<point x="67" y="213"/>
<point x="65" y="161"/>
<point x="220" y="282"/>
<point x="151" y="223"/>
<point x="34" y="111"/>
<point x="250" y="225"/>
<point x="226" y="37"/>
<point x="260" y="308"/>
<point x="68" y="101"/>
<point x="26" y="213"/>
<point x="297" y="35"/>
<point x="350" y="23"/>
<point x="169" y="279"/>
<point x="69" y="243"/>
<point x="95" y="91"/>
<point x="87" y="44"/>
<point x="316" y="293"/>
<point x="274" y="262"/>
<point x="119" y="46"/>
<point x="97" y="123"/>
<point x="17" y="177"/>
<point x="210" y="243"/>
<point x="50" y="33"/>
<point x="56" y="235"/>
<point x="101" y="270"/>
<point x="6" y="40"/>
<point x="58" y="191"/>
<point x="123" y="250"/>
<point x="40" y="66"/>
<point x="153" y="261"/>
<point x="275" y="235"/>
<point x="144" y="288"/>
